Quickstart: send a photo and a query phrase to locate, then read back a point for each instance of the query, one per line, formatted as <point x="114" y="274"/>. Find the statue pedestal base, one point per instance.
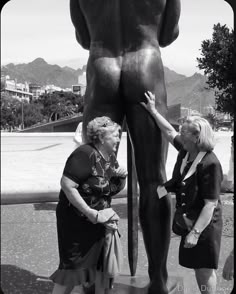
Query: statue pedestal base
<point x="139" y="285"/>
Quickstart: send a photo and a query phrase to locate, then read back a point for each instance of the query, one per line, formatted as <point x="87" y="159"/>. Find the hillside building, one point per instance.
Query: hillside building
<point x="184" y="111"/>
<point x="36" y="90"/>
<point x="208" y="110"/>
<point x="48" y="89"/>
<point x="80" y="88"/>
<point x="16" y="90"/>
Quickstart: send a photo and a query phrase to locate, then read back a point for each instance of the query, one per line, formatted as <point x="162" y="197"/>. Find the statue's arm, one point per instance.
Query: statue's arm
<point x="170" y="28"/>
<point x="78" y="20"/>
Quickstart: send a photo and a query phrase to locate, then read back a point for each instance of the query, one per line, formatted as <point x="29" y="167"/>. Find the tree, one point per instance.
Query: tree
<point x="9" y="109"/>
<point x="217" y="63"/>
<point x="31" y="113"/>
<point x="14" y="112"/>
<point x="213" y="120"/>
<point x="60" y="104"/>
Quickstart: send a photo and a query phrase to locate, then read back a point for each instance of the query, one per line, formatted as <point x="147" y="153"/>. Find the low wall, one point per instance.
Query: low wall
<point x="65" y="125"/>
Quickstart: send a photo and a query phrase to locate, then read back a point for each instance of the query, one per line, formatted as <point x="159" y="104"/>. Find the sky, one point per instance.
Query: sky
<point x="43" y="28"/>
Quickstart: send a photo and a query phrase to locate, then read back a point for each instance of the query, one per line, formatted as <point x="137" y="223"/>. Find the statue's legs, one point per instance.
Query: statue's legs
<point x="155" y="214"/>
<point x="114" y="92"/>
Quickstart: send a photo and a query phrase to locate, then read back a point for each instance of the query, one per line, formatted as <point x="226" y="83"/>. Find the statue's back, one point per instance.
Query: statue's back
<point x="127" y="22"/>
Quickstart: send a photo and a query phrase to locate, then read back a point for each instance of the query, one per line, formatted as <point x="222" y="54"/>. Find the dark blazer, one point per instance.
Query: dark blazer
<point x="191" y="192"/>
<point x="205" y="183"/>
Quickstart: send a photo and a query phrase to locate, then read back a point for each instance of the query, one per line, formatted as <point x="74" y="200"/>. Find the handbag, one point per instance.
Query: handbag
<point x="183" y="222"/>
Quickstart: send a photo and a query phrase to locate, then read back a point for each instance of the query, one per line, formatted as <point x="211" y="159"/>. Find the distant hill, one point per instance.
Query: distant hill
<point x="42" y="73"/>
<point x="189" y="91"/>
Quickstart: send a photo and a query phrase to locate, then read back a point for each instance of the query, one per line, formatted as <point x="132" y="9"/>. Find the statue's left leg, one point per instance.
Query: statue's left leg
<point x="155" y="214"/>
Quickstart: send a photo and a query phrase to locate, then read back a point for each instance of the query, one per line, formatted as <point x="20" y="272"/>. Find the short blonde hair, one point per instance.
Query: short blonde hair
<point x="201" y="127"/>
<point x="99" y="127"/>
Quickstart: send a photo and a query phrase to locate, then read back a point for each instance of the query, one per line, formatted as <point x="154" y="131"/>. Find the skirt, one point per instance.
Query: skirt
<point x="80" y="245"/>
<point x="206" y="253"/>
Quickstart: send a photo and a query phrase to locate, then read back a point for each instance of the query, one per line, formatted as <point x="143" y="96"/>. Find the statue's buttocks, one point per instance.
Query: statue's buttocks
<point x="133" y="72"/>
<point x="124" y="49"/>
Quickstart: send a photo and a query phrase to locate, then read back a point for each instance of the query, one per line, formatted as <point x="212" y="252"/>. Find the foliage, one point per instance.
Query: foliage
<point x="60" y="104"/>
<point x="31" y="114"/>
<point x="14" y="112"/>
<point x="213" y="120"/>
<point x="217" y="63"/>
<point x="9" y="109"/>
<point x="48" y="107"/>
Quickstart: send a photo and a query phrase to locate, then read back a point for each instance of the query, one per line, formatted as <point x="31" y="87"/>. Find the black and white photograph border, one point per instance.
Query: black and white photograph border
<point x="41" y="33"/>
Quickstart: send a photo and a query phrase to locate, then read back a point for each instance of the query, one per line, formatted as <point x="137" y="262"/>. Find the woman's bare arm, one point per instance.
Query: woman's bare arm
<point x="70" y="189"/>
<point x="166" y="128"/>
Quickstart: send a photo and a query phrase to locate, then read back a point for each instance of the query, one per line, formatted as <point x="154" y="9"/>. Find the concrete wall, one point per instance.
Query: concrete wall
<point x="65" y="125"/>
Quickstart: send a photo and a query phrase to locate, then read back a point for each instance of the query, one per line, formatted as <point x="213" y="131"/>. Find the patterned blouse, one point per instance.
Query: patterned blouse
<point x="95" y="176"/>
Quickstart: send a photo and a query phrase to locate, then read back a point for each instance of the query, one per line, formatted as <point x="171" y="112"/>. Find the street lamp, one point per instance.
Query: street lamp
<point x="22" y="114"/>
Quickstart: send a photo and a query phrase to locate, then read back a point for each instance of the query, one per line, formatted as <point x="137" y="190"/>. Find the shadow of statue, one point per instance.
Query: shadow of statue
<point x="20" y="281"/>
<point x="45" y="206"/>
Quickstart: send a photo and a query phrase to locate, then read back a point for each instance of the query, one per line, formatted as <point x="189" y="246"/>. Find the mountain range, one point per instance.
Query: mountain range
<point x="190" y="91"/>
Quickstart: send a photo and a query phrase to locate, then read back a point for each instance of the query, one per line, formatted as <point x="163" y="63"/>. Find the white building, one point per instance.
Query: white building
<point x="208" y="110"/>
<point x="195" y="112"/>
<point x="36" y="90"/>
<point x="80" y="88"/>
<point x="184" y="111"/>
<point x="17" y="90"/>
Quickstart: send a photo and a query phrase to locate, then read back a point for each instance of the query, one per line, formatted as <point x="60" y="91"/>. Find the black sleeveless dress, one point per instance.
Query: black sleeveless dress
<point x="79" y="240"/>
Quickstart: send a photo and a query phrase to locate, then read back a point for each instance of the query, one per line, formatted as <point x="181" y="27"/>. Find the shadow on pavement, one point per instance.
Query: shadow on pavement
<point x="20" y="281"/>
<point x="120" y="208"/>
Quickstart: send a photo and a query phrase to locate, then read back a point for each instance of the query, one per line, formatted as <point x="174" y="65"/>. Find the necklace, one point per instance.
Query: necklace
<point x="105" y="157"/>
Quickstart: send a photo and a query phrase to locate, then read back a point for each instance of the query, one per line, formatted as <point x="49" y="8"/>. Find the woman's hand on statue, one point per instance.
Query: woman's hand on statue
<point x="150" y="105"/>
<point x="191" y="240"/>
<point x="120" y="172"/>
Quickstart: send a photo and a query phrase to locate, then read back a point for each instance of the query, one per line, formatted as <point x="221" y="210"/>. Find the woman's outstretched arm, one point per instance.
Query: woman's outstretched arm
<point x="166" y="128"/>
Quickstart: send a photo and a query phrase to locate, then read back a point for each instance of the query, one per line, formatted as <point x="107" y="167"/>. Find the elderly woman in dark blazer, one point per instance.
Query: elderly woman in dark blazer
<point x="196" y="181"/>
<point x="90" y="178"/>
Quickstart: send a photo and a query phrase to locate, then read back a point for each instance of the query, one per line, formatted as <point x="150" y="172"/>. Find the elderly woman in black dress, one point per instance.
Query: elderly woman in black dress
<point x="90" y="178"/>
<point x="196" y="181"/>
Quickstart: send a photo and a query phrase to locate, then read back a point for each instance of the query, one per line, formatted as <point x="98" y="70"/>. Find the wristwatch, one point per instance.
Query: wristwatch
<point x="196" y="231"/>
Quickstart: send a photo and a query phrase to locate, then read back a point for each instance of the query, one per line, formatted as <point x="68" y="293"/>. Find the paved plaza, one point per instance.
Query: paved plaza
<point x="31" y="167"/>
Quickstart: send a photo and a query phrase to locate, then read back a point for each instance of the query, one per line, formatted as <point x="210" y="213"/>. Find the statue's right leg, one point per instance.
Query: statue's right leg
<point x="155" y="214"/>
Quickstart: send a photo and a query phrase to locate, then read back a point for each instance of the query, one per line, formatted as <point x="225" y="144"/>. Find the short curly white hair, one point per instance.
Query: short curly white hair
<point x="99" y="127"/>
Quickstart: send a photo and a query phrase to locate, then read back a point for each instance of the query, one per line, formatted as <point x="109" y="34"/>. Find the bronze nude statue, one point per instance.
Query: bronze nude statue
<point x="124" y="39"/>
